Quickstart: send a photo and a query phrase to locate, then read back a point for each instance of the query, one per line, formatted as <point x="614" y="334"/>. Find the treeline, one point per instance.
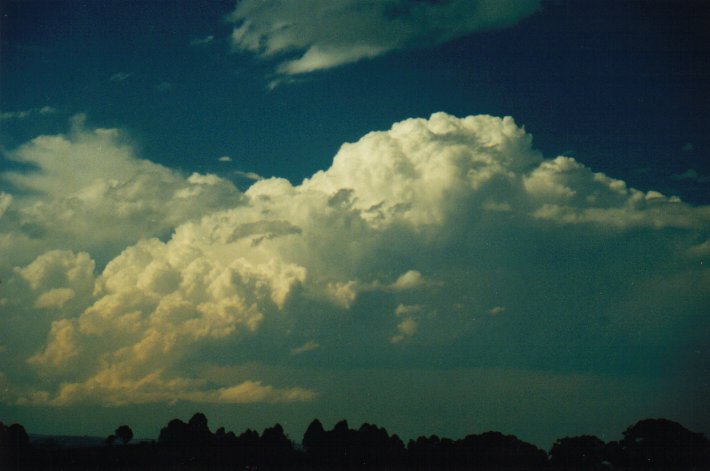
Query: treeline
<point x="649" y="444"/>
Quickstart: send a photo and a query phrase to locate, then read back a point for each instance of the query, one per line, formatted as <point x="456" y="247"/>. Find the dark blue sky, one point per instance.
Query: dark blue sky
<point x="440" y="276"/>
<point x="622" y="86"/>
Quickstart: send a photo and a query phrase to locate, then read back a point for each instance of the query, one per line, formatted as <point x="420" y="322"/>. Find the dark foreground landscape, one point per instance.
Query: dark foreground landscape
<point x="649" y="444"/>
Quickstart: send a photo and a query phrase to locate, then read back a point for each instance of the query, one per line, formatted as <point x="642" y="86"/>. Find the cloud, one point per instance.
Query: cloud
<point x="120" y="76"/>
<point x="89" y="191"/>
<point x="225" y="158"/>
<point x="306" y="347"/>
<point x="164" y="87"/>
<point x="254" y="391"/>
<point x="315" y="35"/>
<point x="406" y="328"/>
<point x="113" y="389"/>
<point x="248" y="175"/>
<point x="410" y="280"/>
<point x="61" y="346"/>
<point x="125" y="279"/>
<point x="403" y="309"/>
<point x="692" y="175"/>
<point x="9" y="115"/>
<point x="202" y="41"/>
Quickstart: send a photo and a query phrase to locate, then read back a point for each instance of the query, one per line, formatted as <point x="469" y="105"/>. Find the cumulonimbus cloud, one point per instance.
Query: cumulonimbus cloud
<point x="312" y="35"/>
<point x="417" y="234"/>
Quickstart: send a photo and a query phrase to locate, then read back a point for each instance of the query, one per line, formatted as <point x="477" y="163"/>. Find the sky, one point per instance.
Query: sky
<point x="437" y="216"/>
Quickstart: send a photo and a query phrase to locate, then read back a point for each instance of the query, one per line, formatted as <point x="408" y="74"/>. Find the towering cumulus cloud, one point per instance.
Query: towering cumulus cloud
<point x="447" y="235"/>
<point x="322" y="34"/>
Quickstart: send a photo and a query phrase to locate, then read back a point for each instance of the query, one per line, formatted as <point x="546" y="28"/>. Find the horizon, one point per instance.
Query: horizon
<point x="438" y="217"/>
<point x="34" y="437"/>
<point x="666" y="443"/>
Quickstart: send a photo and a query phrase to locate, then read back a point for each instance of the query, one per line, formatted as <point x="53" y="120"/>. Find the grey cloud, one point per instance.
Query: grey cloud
<point x="260" y="230"/>
<point x="315" y="35"/>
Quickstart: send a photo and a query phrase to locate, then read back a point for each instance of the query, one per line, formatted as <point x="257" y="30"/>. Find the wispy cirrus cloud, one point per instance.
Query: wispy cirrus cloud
<point x="312" y="35"/>
<point x="202" y="41"/>
<point x="306" y="347"/>
<point x="120" y="76"/>
<point x="691" y="175"/>
<point x="45" y="110"/>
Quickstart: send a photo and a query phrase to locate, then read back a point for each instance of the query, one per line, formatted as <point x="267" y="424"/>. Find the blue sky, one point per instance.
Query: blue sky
<point x="182" y="230"/>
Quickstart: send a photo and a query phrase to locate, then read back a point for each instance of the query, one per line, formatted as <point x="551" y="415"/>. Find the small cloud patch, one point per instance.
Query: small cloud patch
<point x="202" y="41"/>
<point x="306" y="347"/>
<point x="120" y="76"/>
<point x="496" y="311"/>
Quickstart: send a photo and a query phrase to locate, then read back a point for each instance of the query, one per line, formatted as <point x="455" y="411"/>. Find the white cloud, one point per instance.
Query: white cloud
<point x="90" y="192"/>
<point x="225" y="158"/>
<point x="320" y="34"/>
<point x="410" y="280"/>
<point x="58" y="268"/>
<point x="61" y="346"/>
<point x="191" y="265"/>
<point x="55" y="298"/>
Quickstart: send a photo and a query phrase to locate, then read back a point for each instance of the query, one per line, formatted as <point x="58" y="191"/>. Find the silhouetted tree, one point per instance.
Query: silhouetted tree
<point x="425" y="452"/>
<point x="110" y="440"/>
<point x="125" y="433"/>
<point x="650" y="444"/>
<point x="663" y="444"/>
<point x="495" y="450"/>
<point x="221" y="437"/>
<point x="197" y="428"/>
<point x="375" y="447"/>
<point x="314" y="437"/>
<point x="275" y="447"/>
<point x="14" y="445"/>
<point x="247" y="447"/>
<point x="175" y="433"/>
<point x="584" y="452"/>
